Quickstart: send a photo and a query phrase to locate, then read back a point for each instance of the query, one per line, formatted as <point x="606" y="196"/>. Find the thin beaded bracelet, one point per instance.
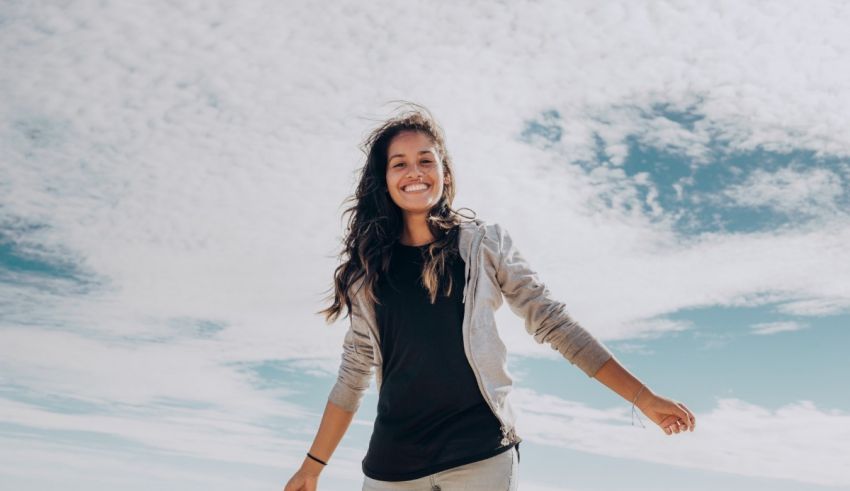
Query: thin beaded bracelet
<point x="633" y="408"/>
<point x="316" y="459"/>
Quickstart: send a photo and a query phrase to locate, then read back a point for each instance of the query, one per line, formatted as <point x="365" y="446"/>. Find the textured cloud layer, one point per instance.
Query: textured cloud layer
<point x="172" y="176"/>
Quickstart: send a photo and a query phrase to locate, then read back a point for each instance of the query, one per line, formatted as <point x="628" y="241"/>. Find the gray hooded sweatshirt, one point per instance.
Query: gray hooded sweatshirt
<point x="495" y="269"/>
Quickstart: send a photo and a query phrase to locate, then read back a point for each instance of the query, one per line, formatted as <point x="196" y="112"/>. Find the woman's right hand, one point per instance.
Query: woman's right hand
<point x="302" y="481"/>
<point x="306" y="478"/>
<point x="672" y="416"/>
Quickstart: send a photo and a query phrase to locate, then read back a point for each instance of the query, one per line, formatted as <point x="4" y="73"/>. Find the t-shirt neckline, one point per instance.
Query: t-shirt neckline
<point x="414" y="246"/>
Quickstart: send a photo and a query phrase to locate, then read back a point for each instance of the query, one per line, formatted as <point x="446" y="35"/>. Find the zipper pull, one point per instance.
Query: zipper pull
<point x="505" y="441"/>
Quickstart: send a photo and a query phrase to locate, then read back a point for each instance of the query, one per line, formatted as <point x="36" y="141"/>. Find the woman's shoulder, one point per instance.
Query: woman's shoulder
<point x="492" y="232"/>
<point x="479" y="223"/>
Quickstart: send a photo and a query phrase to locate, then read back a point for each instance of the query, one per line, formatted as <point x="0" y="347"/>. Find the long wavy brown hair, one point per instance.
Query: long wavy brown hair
<point x="375" y="222"/>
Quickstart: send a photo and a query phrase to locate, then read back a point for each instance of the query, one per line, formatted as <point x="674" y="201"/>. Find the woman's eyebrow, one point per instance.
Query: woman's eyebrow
<point x="402" y="155"/>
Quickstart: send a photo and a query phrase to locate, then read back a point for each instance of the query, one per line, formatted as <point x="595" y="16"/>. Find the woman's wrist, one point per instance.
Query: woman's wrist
<point x="312" y="467"/>
<point x="644" y="396"/>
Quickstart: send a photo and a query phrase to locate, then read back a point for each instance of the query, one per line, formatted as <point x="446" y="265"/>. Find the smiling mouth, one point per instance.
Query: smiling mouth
<point x="415" y="188"/>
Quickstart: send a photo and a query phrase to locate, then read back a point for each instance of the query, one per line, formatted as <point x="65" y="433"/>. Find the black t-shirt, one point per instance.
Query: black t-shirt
<point x="431" y="413"/>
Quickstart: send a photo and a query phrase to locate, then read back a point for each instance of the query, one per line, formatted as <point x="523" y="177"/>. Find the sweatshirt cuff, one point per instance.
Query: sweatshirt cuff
<point x="345" y="397"/>
<point x="591" y="357"/>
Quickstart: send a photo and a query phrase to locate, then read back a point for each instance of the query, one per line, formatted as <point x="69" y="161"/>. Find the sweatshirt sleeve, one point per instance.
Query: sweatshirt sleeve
<point x="358" y="362"/>
<point x="546" y="319"/>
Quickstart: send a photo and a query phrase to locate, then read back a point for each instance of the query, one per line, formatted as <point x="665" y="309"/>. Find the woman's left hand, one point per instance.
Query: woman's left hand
<point x="670" y="415"/>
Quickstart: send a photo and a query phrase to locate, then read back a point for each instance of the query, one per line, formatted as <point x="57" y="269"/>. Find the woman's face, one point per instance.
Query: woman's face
<point x="413" y="158"/>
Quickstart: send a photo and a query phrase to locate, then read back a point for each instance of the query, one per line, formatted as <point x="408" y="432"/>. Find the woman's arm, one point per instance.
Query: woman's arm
<point x="356" y="368"/>
<point x="670" y="415"/>
<point x="335" y="422"/>
<point x="547" y="320"/>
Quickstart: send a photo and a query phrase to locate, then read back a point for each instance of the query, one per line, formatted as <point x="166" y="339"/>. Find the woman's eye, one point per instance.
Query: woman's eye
<point x="402" y="163"/>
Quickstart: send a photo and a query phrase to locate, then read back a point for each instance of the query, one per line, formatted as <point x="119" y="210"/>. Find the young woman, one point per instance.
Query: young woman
<point x="421" y="287"/>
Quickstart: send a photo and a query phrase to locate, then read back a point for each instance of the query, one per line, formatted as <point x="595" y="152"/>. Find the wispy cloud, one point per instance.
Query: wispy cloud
<point x="809" y="191"/>
<point x="170" y="209"/>
<point x="775" y="327"/>
<point x="798" y="441"/>
<point x="816" y="306"/>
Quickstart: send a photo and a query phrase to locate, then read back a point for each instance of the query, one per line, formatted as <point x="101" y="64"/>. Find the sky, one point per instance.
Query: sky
<point x="172" y="177"/>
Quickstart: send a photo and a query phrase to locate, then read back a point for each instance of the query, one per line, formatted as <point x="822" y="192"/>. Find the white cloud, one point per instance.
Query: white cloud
<point x="787" y="190"/>
<point x="133" y="374"/>
<point x="198" y="171"/>
<point x="77" y="467"/>
<point x="775" y="327"/>
<point x="96" y="467"/>
<point x="532" y="486"/>
<point x="639" y="348"/>
<point x="797" y="441"/>
<point x="188" y="199"/>
<point x="816" y="306"/>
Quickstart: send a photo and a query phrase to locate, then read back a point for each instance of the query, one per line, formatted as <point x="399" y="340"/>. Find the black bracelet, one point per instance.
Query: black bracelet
<point x="317" y="460"/>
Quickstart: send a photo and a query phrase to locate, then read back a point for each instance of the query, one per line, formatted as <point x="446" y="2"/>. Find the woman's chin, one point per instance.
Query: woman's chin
<point x="414" y="209"/>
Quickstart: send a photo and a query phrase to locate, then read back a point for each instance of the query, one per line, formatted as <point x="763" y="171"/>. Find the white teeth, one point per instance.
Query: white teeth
<point x="414" y="187"/>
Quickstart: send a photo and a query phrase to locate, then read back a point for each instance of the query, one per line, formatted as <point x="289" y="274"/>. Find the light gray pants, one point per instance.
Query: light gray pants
<point x="498" y="473"/>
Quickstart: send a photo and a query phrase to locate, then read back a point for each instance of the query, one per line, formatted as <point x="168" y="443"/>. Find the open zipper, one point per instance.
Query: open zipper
<point x="508" y="434"/>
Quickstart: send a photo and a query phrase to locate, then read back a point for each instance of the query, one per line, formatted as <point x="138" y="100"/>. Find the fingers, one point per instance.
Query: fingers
<point x="675" y="427"/>
<point x="293" y="485"/>
<point x="672" y="428"/>
<point x="668" y="424"/>
<point x="676" y="416"/>
<point x="680" y="419"/>
<point x="689" y="416"/>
